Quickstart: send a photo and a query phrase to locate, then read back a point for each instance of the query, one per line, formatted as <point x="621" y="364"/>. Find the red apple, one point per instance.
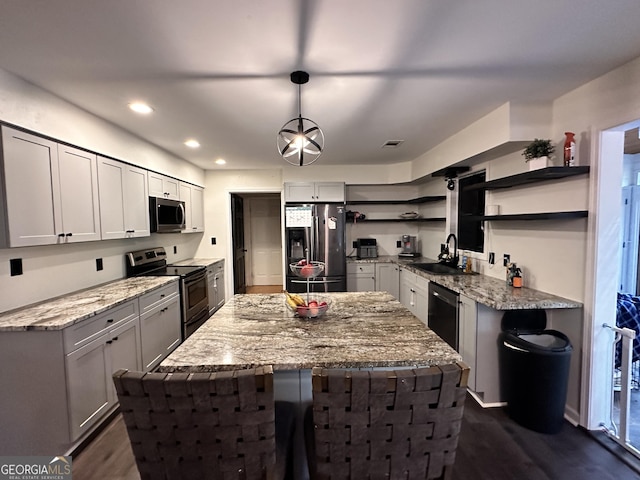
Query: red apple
<point x="323" y="304"/>
<point x="302" y="262"/>
<point x="307" y="270"/>
<point x="314" y="309"/>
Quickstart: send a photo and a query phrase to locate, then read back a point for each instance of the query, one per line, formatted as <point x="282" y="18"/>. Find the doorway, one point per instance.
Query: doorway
<point x="604" y="282"/>
<point x="257" y="242"/>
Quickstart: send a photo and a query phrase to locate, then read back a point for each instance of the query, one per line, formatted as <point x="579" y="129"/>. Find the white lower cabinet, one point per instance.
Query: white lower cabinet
<point x="467" y="332"/>
<point x="479" y="327"/>
<point x="89" y="369"/>
<point x="160" y="324"/>
<point x="61" y="389"/>
<point x="216" y="290"/>
<point x="388" y="278"/>
<point x="361" y="277"/>
<point x="414" y="293"/>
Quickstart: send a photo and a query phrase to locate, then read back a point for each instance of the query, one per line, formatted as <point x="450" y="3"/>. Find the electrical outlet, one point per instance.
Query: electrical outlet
<point x="15" y="266"/>
<point x="506" y="260"/>
<point x="213" y="240"/>
<point x="399" y="244"/>
<point x="175" y="249"/>
<point x="492" y="258"/>
<point x="99" y="265"/>
<point x="355" y="244"/>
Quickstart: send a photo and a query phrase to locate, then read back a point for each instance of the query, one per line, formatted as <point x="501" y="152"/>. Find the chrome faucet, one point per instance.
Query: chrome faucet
<point x="445" y="256"/>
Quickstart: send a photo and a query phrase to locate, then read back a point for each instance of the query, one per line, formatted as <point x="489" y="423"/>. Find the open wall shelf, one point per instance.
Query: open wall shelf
<point x="413" y="201"/>
<point x="405" y="220"/>
<point x="534" y="176"/>
<point x="533" y="216"/>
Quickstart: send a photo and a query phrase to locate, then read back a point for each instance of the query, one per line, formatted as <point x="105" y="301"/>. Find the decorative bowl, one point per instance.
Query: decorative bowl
<point x="408" y="215"/>
<point x="313" y="311"/>
<point x="308" y="270"/>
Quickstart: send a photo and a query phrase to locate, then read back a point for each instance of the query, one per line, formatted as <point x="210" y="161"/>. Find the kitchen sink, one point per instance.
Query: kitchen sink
<point x="437" y="268"/>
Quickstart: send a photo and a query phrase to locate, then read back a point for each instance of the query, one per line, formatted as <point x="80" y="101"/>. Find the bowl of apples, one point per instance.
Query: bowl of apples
<point x="314" y="309"/>
<point x="307" y="269"/>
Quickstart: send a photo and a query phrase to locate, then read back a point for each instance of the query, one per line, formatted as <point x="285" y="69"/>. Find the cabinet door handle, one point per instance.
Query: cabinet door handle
<point x="109" y="342"/>
<point x="110" y="320"/>
<point x="114" y="339"/>
<point x="68" y="234"/>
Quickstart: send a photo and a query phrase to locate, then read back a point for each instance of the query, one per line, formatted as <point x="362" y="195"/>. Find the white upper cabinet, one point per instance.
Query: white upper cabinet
<point x="193" y="198"/>
<point x="161" y="186"/>
<point x="50" y="192"/>
<point x="314" y="192"/>
<point x="124" y="203"/>
<point x="29" y="193"/>
<point x="78" y="177"/>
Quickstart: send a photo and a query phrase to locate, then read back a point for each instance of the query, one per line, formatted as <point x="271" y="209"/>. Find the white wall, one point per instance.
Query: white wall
<point x="609" y="102"/>
<point x="58" y="269"/>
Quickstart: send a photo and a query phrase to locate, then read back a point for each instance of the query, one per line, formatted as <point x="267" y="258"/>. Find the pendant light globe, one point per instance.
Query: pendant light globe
<point x="300" y="141"/>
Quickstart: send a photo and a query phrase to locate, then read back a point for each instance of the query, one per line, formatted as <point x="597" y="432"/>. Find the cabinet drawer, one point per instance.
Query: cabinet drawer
<point x="82" y="333"/>
<point x="216" y="267"/>
<point x="150" y="300"/>
<point x="361" y="268"/>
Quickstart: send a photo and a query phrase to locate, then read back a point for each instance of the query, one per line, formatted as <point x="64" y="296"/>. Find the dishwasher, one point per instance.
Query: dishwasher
<point x="442" y="315"/>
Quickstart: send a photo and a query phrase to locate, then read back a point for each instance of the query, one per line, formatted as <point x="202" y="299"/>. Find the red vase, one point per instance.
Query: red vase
<point x="569" y="149"/>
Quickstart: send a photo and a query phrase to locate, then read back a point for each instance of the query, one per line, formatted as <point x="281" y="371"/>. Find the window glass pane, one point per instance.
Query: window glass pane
<point x="470" y="206"/>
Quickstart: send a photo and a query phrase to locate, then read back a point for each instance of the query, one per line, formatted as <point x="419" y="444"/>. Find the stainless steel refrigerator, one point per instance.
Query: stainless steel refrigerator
<point x="316" y="232"/>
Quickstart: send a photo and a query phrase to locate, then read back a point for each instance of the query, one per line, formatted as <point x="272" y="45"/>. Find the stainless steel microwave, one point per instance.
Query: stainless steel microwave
<point x="166" y="215"/>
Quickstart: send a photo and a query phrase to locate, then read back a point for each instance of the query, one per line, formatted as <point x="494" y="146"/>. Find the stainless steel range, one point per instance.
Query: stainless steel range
<point x="194" y="299"/>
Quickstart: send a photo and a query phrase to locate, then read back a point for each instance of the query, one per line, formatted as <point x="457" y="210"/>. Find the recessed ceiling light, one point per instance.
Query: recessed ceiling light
<point x="140" y="107"/>
<point x="192" y="143"/>
<point x="221" y="161"/>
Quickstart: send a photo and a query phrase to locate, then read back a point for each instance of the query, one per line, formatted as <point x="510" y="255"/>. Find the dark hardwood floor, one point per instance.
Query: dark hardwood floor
<point x="491" y="447"/>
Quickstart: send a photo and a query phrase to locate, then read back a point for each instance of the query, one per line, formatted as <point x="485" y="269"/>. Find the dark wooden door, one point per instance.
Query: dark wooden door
<point x="237" y="234"/>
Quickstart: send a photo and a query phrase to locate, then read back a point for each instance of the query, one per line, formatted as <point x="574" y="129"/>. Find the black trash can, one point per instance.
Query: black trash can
<point x="534" y="370"/>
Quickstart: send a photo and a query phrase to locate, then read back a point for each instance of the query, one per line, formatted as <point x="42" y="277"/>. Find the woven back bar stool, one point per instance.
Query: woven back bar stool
<point x="205" y="425"/>
<point x="401" y="424"/>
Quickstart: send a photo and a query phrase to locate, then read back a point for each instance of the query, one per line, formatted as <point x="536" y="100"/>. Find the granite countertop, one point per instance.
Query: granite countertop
<point x="369" y="329"/>
<point x="60" y="312"/>
<point x="198" y="262"/>
<point x="489" y="291"/>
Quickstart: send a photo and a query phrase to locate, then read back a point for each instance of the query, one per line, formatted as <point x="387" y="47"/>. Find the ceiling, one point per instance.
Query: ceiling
<point x="411" y="70"/>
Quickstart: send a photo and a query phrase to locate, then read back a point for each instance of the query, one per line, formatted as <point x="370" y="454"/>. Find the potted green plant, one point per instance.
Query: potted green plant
<point x="538" y="153"/>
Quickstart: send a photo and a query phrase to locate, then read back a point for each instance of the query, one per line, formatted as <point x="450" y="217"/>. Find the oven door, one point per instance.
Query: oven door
<point x="195" y="301"/>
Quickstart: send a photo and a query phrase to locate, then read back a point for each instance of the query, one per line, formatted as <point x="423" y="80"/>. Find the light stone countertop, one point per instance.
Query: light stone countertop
<point x="369" y="329"/>
<point x="198" y="262"/>
<point x="489" y="291"/>
<point x="61" y="312"/>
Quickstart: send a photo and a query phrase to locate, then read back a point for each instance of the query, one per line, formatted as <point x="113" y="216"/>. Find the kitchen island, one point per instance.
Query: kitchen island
<point x="360" y="330"/>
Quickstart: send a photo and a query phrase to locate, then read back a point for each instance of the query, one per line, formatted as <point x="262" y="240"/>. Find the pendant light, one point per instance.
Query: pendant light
<point x="300" y="140"/>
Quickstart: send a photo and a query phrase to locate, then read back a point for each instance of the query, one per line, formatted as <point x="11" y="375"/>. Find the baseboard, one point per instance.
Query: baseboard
<point x="484" y="404"/>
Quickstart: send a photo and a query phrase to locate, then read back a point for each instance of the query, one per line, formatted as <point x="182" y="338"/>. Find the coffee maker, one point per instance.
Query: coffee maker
<point x="409" y="247"/>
